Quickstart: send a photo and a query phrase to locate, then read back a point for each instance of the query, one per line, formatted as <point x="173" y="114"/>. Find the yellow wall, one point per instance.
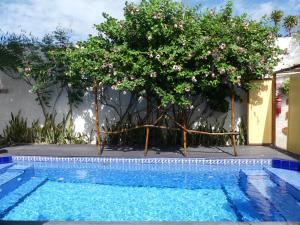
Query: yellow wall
<point x="260" y="113"/>
<point x="294" y="115"/>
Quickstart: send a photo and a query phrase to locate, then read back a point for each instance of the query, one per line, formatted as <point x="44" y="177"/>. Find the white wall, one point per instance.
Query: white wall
<point x="19" y="97"/>
<point x="292" y="45"/>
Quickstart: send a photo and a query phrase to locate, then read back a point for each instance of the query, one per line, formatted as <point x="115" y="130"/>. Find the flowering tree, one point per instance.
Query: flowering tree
<point x="42" y="66"/>
<point x="170" y="53"/>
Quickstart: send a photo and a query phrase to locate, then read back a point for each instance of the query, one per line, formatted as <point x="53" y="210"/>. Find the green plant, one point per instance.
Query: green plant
<point x="17" y="131"/>
<point x="285" y="87"/>
<point x="242" y="136"/>
<point x="289" y="23"/>
<point x="276" y="16"/>
<point x="173" y="53"/>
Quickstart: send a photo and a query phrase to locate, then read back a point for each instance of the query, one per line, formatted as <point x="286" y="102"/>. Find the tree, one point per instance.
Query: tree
<point x="43" y="68"/>
<point x="276" y="16"/>
<point x="12" y="47"/>
<point x="170" y="53"/>
<point x="290" y="22"/>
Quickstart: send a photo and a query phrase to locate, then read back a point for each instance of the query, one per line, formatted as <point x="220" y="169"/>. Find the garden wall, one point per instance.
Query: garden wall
<point x="19" y="97"/>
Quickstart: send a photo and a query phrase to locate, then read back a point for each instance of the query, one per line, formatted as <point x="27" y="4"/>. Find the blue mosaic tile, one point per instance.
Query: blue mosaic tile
<point x="294" y="165"/>
<point x="5" y="159"/>
<point x="198" y="161"/>
<point x="286" y="164"/>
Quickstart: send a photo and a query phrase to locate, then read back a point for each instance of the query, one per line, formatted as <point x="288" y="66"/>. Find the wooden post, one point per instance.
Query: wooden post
<point x="184" y="139"/>
<point x="233" y="124"/>
<point x="95" y="88"/>
<point x="184" y="136"/>
<point x="147" y="128"/>
<point x="147" y="141"/>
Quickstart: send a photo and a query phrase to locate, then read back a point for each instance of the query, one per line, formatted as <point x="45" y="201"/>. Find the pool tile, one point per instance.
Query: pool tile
<point x="5" y="159"/>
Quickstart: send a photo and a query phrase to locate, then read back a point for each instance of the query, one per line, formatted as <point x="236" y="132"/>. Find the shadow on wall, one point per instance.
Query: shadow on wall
<point x="19" y="97"/>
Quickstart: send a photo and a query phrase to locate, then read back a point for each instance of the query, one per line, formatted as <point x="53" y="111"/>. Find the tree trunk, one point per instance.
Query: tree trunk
<point x="184" y="134"/>
<point x="147" y="128"/>
<point x="95" y="88"/>
<point x="233" y="124"/>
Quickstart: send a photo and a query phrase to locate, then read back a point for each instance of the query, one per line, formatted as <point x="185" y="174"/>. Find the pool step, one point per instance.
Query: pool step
<point x="271" y="198"/>
<point x="244" y="207"/>
<point x="4" y="167"/>
<point x="14" y="176"/>
<point x="286" y="179"/>
<point x="16" y="196"/>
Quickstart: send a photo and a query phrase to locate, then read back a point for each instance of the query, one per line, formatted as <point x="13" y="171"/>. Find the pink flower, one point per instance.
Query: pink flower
<point x="114" y="87"/>
<point x="27" y="69"/>
<point x="246" y="24"/>
<point x="222" y="46"/>
<point x="212" y="12"/>
<point x="177" y="67"/>
<point x="270" y="36"/>
<point x="121" y="23"/>
<point x="157" y="16"/>
<point x="239" y="80"/>
<point x="191" y="107"/>
<point x="153" y="74"/>
<point x="240" y="50"/>
<point x="213" y="75"/>
<point x="215" y="55"/>
<point x="222" y="71"/>
<point x="187" y="89"/>
<point x="157" y="56"/>
<point x="194" y="79"/>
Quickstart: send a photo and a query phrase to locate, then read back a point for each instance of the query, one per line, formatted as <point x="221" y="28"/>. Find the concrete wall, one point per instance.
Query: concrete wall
<point x="19" y="97"/>
<point x="292" y="45"/>
<point x="281" y="119"/>
<point x="294" y="115"/>
<point x="260" y="113"/>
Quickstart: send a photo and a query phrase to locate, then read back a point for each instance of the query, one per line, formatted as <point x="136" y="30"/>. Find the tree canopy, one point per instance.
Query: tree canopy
<point x="171" y="52"/>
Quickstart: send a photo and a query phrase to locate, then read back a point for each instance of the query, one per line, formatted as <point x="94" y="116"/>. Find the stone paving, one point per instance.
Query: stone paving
<point x="137" y="152"/>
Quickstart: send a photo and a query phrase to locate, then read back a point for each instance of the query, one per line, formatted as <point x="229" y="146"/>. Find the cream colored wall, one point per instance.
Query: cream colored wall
<point x="260" y="113"/>
<point x="281" y="119"/>
<point x="294" y="115"/>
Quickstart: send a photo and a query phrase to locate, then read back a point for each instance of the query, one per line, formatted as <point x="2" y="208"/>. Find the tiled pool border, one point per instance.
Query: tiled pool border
<point x="198" y="161"/>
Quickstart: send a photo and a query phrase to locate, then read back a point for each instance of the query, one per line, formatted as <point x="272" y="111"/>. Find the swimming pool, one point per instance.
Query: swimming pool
<point x="112" y="189"/>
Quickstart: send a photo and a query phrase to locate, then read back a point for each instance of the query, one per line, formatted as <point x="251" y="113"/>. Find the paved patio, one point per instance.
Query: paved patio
<point x="137" y="152"/>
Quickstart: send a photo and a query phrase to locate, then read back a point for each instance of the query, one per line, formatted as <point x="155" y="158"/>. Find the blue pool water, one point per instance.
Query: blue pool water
<point x="135" y="191"/>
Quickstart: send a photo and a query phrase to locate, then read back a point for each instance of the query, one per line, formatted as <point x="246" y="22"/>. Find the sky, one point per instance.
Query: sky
<point x="42" y="16"/>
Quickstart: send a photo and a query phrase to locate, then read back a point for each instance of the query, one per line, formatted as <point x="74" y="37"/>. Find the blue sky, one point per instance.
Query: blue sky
<point x="42" y="16"/>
